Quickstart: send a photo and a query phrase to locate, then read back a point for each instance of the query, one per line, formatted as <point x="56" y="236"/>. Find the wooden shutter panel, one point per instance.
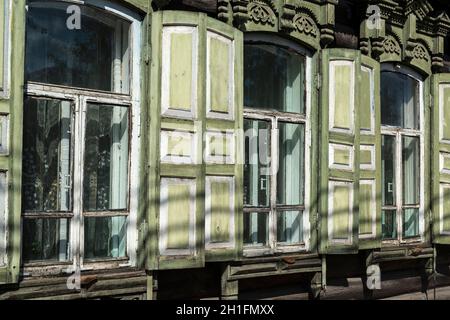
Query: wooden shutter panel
<point x="370" y="155"/>
<point x="339" y="154"/>
<point x="195" y="107"/>
<point x="12" y="47"/>
<point x="440" y="126"/>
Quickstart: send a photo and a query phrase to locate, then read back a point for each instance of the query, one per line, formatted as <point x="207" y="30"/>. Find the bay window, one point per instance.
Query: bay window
<point x="402" y="168"/>
<point x="276" y="140"/>
<point x="79" y="138"/>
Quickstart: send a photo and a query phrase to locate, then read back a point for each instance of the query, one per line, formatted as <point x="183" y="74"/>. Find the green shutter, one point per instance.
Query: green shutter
<point x="339" y="153"/>
<point x="441" y="158"/>
<point x="195" y="107"/>
<point x="12" y="43"/>
<point x="370" y="155"/>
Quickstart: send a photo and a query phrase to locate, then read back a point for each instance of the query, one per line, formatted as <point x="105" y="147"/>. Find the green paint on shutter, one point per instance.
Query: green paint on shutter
<point x="341" y="210"/>
<point x="365" y="209"/>
<point x="342" y="157"/>
<point x="180" y="71"/>
<point x="178" y="217"/>
<point x="219" y="146"/>
<point x="365" y="157"/>
<point x="220" y="212"/>
<point x="365" y="102"/>
<point x="446" y="112"/>
<point x="219" y="66"/>
<point x="446" y="210"/>
<point x="343" y="92"/>
<point x="179" y="145"/>
<point x="446" y="162"/>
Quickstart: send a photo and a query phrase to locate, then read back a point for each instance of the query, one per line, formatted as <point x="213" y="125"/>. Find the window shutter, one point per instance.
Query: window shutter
<point x="12" y="42"/>
<point x="339" y="154"/>
<point x="196" y="107"/>
<point x="370" y="155"/>
<point x="440" y="126"/>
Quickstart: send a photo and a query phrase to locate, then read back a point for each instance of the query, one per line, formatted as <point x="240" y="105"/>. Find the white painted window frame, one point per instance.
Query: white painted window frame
<point x="80" y="97"/>
<point x="274" y="247"/>
<point x="208" y="212"/>
<point x="398" y="133"/>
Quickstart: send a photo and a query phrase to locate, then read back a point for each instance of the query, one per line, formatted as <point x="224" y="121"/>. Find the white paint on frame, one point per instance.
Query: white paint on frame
<point x="208" y="213"/>
<point x="164" y="216"/>
<point x="331" y="236"/>
<point x="442" y="106"/>
<point x="442" y="157"/>
<point x="332" y="93"/>
<point x="166" y="109"/>
<point x="341" y="147"/>
<point x="231" y="87"/>
<point x="373" y="209"/>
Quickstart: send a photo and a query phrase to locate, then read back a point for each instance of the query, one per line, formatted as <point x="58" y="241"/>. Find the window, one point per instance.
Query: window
<point x="402" y="138"/>
<point x="78" y="136"/>
<point x="276" y="127"/>
<point x="4" y="47"/>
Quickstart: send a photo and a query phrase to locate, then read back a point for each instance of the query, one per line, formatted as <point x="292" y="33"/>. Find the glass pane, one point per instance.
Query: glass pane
<point x="257" y="163"/>
<point x="45" y="239"/>
<point x="47" y="155"/>
<point x="289" y="227"/>
<point x="291" y="159"/>
<point x="274" y="78"/>
<point x="399" y="100"/>
<point x="410" y="223"/>
<point x="105" y="237"/>
<point x="388" y="169"/>
<point x="411" y="170"/>
<point x="389" y="224"/>
<point x="256" y="228"/>
<point x="94" y="54"/>
<point x="105" y="182"/>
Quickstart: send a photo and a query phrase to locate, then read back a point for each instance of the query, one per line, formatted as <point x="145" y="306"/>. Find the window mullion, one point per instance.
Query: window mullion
<point x="273" y="184"/>
<point x="77" y="242"/>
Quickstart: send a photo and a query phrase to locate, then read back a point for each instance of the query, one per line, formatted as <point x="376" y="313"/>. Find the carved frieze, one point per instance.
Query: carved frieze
<point x="261" y="12"/>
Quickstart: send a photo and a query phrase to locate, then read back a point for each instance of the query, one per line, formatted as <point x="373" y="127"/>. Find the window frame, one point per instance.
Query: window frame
<point x="81" y="97"/>
<point x="274" y="117"/>
<point x="399" y="133"/>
